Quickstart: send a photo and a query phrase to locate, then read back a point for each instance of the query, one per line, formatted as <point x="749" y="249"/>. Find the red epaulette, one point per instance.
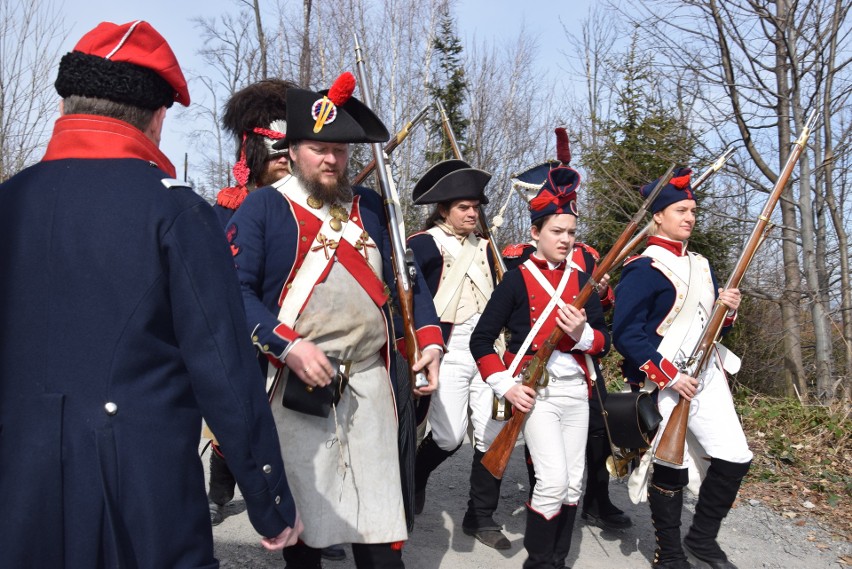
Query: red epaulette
<point x="590" y="250"/>
<point x="232" y="197"/>
<point x="515" y="250"/>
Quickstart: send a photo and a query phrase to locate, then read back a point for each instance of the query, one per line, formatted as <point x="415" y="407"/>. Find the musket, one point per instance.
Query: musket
<point x="403" y="258"/>
<point x="671" y="443"/>
<point x="643" y="233"/>
<point x="497" y="456"/>
<point x="499" y="265"/>
<point x="391" y="146"/>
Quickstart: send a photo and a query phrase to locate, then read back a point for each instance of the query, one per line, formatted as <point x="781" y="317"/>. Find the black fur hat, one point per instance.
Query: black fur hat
<point x="252" y="115"/>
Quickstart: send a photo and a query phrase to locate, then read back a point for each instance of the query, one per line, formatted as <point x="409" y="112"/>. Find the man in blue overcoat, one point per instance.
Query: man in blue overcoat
<point x="122" y="326"/>
<point x="313" y="256"/>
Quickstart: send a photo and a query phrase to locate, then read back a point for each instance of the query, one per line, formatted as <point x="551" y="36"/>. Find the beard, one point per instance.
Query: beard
<point x="340" y="190"/>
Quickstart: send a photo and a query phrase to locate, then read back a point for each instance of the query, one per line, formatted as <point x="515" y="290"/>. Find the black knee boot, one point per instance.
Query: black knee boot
<point x="717" y="495"/>
<point x="539" y="540"/>
<point x="665" y="495"/>
<point x="484" y="495"/>
<point x="564" y="530"/>
<point x="300" y="556"/>
<point x="429" y="457"/>
<point x="597" y="508"/>
<point x="222" y="484"/>
<point x="378" y="555"/>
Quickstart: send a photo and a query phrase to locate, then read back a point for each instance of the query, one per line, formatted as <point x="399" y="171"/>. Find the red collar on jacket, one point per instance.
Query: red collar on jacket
<point x="544" y="265"/>
<point x="676" y="247"/>
<point x="92" y="136"/>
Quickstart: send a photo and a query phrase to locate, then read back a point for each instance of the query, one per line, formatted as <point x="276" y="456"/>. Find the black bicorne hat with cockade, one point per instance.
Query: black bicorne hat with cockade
<point x="449" y="181"/>
<point x="331" y="116"/>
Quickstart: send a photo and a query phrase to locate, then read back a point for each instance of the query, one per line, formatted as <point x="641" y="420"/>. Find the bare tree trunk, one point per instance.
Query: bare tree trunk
<point x="261" y="41"/>
<point x="305" y="56"/>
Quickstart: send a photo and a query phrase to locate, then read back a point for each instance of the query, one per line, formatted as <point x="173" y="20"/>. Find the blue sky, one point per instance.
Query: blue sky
<point x="479" y="20"/>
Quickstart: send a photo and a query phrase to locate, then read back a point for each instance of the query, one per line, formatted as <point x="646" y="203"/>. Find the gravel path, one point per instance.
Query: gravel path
<point x="752" y="534"/>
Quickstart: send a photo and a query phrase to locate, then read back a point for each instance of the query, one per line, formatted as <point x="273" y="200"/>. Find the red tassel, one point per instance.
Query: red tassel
<point x="563" y="147"/>
<point x="397" y="545"/>
<point x="342" y="88"/>
<point x="232" y="197"/>
<point x="681" y="181"/>
<point x="541" y="201"/>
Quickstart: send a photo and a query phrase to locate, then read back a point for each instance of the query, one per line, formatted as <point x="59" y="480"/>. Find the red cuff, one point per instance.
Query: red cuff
<point x="729" y="320"/>
<point x="608" y="300"/>
<point x="660" y="376"/>
<point x="285" y="333"/>
<point x="430" y="335"/>
<point x="489" y="365"/>
<point x="598" y="343"/>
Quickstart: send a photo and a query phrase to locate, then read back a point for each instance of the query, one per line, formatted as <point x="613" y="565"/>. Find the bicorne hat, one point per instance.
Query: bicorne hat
<point x="451" y="180"/>
<point x="678" y="189"/>
<point x="129" y="63"/>
<point x="331" y="116"/>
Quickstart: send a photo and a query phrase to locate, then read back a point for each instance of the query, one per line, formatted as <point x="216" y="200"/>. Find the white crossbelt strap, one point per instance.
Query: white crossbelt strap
<point x="555" y="300"/>
<point x="317" y="258"/>
<point x="463" y="255"/>
<point x="674" y="337"/>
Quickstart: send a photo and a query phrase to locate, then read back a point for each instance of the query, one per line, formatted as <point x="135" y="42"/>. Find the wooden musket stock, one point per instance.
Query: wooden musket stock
<point x="403" y="259"/>
<point x="673" y="438"/>
<point x="497" y="456"/>
<point x="499" y="265"/>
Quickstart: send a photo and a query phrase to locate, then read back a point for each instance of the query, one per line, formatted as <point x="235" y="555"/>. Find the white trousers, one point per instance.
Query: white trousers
<point x="462" y="388"/>
<point x="555" y="433"/>
<point x="713" y="420"/>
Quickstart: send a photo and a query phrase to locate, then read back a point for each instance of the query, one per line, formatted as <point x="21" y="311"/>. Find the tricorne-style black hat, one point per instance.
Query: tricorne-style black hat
<point x="333" y="115"/>
<point x="451" y="180"/>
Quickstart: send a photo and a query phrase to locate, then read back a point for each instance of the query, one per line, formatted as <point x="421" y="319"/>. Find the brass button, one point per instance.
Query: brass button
<point x="266" y="347"/>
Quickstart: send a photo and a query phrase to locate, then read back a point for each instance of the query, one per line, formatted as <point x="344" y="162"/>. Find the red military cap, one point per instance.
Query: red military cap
<point x="128" y="63"/>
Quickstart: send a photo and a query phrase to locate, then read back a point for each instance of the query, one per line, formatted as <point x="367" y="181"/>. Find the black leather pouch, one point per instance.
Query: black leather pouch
<point x="316" y="401"/>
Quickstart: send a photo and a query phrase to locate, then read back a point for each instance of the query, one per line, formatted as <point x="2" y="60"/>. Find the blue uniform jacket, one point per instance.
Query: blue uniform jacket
<point x="264" y="235"/>
<point x="644" y="296"/>
<point x="122" y="325"/>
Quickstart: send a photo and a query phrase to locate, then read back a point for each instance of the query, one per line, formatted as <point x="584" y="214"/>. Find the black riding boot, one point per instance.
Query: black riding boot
<point x="665" y="495"/>
<point x="222" y="485"/>
<point x="717" y="495"/>
<point x="484" y="495"/>
<point x="378" y="555"/>
<point x="300" y="556"/>
<point x="429" y="457"/>
<point x="539" y="540"/>
<point x="564" y="530"/>
<point x="597" y="508"/>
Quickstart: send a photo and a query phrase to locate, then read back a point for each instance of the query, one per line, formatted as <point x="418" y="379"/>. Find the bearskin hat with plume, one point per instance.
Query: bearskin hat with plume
<point x="255" y="106"/>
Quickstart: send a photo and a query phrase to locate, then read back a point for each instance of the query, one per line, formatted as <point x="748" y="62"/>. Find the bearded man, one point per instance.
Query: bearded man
<point x="314" y="261"/>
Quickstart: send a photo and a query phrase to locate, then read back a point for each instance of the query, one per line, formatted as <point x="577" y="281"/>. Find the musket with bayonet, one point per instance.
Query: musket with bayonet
<point x="497" y="456"/>
<point x="673" y="438"/>
<point x="403" y="258"/>
<point x="499" y="265"/>
<point x="643" y="233"/>
<point x="391" y="146"/>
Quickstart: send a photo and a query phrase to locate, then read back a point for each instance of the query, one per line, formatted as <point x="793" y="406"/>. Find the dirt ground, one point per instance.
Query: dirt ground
<point x="753" y="535"/>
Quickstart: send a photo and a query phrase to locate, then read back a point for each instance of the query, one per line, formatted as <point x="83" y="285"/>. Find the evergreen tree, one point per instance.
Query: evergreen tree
<point x="636" y="147"/>
<point x="449" y="85"/>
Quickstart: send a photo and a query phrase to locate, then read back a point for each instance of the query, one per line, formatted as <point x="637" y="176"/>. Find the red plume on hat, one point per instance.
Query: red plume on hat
<point x="342" y="88"/>
<point x="563" y="147"/>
